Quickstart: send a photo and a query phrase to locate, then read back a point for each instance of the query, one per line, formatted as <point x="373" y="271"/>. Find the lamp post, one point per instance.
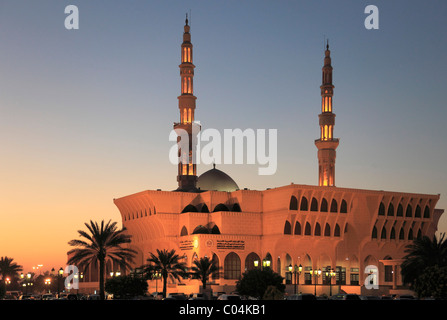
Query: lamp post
<point x="48" y="283"/>
<point x="59" y="277"/>
<point x="296" y="271"/>
<point x="316" y="274"/>
<point x="156" y="275"/>
<point x="330" y="274"/>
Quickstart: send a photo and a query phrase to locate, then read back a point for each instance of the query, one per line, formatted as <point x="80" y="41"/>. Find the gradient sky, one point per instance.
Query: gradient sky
<point x="85" y="114"/>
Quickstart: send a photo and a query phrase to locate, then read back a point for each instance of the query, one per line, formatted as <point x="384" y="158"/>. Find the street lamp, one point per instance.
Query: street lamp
<point x="330" y="274"/>
<point x="297" y="271"/>
<point x="47" y="283"/>
<point x="59" y="277"/>
<point x="316" y="274"/>
<point x="156" y="275"/>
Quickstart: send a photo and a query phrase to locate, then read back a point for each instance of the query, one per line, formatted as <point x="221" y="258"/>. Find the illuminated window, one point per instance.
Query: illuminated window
<point x="232" y="266"/>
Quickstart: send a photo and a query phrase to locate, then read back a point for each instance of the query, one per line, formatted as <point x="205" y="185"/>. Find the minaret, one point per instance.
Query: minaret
<point x="327" y="143"/>
<point x="187" y="170"/>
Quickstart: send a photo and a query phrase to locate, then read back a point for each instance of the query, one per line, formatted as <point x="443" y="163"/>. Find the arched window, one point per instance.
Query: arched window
<point x="250" y="261"/>
<point x="409" y="212"/>
<point x="236" y="207"/>
<point x="393" y="233"/>
<point x="400" y="210"/>
<point x="314" y="205"/>
<point x="427" y="212"/>
<point x="323" y="205"/>
<point x="297" y="230"/>
<point x="417" y="213"/>
<point x="410" y="234"/>
<point x="390" y="210"/>
<point x="232" y="266"/>
<point x="189" y="208"/>
<point x="184" y="231"/>
<point x="287" y="228"/>
<point x="419" y="235"/>
<point x="343" y="207"/>
<point x="374" y="233"/>
<point x="215" y="230"/>
<point x="327" y="230"/>
<point x="205" y="209"/>
<point x="220" y="207"/>
<point x="317" y="231"/>
<point x="334" y="205"/>
<point x="383" y="234"/>
<point x="293" y="203"/>
<point x="307" y="229"/>
<point x="401" y="234"/>
<point x="337" y="230"/>
<point x="381" y="209"/>
<point x="216" y="275"/>
<point x="304" y="205"/>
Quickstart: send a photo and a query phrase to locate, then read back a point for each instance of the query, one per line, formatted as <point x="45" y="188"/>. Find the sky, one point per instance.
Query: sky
<point x="85" y="115"/>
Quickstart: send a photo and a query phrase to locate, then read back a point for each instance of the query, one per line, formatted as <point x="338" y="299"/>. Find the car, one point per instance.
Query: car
<point x="229" y="297"/>
<point x="196" y="296"/>
<point x="346" y="296"/>
<point x="177" y="296"/>
<point x="302" y="296"/>
<point x="405" y="297"/>
<point x="47" y="296"/>
<point x="370" y="297"/>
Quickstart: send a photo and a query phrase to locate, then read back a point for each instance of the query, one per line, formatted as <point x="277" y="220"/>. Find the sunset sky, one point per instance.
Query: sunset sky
<point x="85" y="115"/>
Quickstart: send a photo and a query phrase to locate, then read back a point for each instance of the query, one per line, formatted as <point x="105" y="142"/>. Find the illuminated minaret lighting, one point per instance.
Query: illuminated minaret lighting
<point x="187" y="169"/>
<point x="327" y="143"/>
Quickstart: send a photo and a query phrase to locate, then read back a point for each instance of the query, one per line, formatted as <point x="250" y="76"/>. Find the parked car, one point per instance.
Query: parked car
<point x="346" y="296"/>
<point x="229" y="297"/>
<point x="302" y="296"/>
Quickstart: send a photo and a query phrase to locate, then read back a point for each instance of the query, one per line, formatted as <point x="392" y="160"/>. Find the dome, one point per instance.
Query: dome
<point x="217" y="180"/>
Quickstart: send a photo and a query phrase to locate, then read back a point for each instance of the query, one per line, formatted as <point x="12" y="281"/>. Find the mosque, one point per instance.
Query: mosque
<point x="319" y="238"/>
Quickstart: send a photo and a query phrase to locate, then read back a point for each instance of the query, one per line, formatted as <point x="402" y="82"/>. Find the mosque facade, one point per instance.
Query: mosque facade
<point x="319" y="238"/>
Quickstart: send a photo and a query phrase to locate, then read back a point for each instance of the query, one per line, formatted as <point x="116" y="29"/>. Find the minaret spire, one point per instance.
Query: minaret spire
<point x="187" y="170"/>
<point x="327" y="144"/>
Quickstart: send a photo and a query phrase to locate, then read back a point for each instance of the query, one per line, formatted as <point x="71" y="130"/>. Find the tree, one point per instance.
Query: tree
<point x="8" y="268"/>
<point x="103" y="243"/>
<point x="126" y="286"/>
<point x="202" y="269"/>
<point x="255" y="282"/>
<point x="168" y="264"/>
<point x="423" y="253"/>
<point x="432" y="283"/>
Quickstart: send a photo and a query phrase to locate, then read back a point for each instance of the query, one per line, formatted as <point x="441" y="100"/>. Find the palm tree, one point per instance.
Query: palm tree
<point x="167" y="263"/>
<point x="9" y="268"/>
<point x="202" y="269"/>
<point x="103" y="243"/>
<point x="423" y="253"/>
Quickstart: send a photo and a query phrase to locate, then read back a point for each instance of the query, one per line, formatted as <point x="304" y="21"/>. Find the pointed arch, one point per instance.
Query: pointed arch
<point x="304" y="206"/>
<point x="314" y="205"/>
<point x="344" y="206"/>
<point x="307" y="229"/>
<point x="293" y="205"/>
<point x="297" y="230"/>
<point x="417" y="213"/>
<point x="381" y="209"/>
<point x="327" y="230"/>
<point x="287" y="228"/>
<point x="324" y="205"/>
<point x="215" y="260"/>
<point x="250" y="261"/>
<point x="410" y="234"/>
<point x="205" y="208"/>
<point x="383" y="233"/>
<point x="334" y="206"/>
<point x="393" y="233"/>
<point x="400" y="210"/>
<point x="390" y="210"/>
<point x="427" y="212"/>
<point x="402" y="234"/>
<point x="409" y="212"/>
<point x="184" y="231"/>
<point x="337" y="230"/>
<point x="374" y="233"/>
<point x="317" y="231"/>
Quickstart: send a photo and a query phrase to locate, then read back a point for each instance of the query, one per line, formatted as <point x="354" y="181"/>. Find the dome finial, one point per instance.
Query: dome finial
<point x="214" y="165"/>
<point x="186" y="20"/>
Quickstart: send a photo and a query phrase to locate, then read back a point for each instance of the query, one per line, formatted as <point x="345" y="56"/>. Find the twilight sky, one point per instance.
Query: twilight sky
<point x="85" y="114"/>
